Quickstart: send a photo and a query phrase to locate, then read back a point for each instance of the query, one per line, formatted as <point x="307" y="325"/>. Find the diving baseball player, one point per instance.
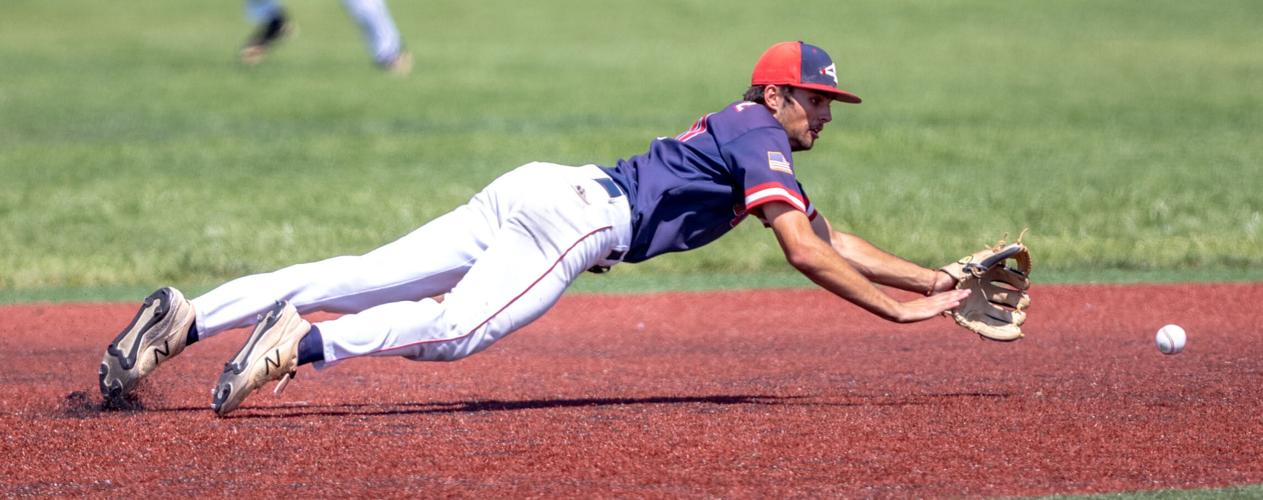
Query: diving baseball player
<point x="378" y="28"/>
<point x="466" y="279"/>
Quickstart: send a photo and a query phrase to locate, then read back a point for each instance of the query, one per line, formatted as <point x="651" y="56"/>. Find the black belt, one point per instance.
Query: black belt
<point x="610" y="186"/>
<point x="613" y="190"/>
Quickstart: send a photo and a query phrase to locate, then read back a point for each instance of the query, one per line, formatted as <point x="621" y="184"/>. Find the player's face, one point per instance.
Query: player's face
<point x="803" y="116"/>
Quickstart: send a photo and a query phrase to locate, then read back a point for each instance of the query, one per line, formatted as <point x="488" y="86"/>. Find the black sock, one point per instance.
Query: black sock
<point x="192" y="335"/>
<point x="312" y="347"/>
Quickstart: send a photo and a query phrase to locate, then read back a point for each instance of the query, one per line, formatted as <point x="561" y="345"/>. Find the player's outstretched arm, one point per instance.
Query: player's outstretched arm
<point x="819" y="262"/>
<point x="881" y="266"/>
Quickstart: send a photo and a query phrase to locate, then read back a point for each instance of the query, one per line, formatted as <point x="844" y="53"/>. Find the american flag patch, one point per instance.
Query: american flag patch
<point x="776" y="161"/>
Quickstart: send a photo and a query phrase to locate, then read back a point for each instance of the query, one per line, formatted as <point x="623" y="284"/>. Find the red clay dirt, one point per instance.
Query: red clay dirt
<point x="770" y="393"/>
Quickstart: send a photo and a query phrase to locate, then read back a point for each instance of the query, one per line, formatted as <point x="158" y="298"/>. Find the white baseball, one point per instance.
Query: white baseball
<point x="1170" y="339"/>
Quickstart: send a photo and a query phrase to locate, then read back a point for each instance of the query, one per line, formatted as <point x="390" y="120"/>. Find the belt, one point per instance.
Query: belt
<point x="615" y="255"/>
<point x="610" y="186"/>
<point x="614" y="191"/>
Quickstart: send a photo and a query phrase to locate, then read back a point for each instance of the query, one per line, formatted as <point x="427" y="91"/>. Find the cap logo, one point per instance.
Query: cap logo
<point x="830" y="71"/>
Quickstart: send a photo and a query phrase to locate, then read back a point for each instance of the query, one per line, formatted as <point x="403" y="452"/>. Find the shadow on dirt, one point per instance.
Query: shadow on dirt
<point x="79" y="404"/>
<point x="291" y="411"/>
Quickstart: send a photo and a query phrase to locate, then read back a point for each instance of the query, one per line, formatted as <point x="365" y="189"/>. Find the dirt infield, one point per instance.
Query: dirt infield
<point x="769" y="393"/>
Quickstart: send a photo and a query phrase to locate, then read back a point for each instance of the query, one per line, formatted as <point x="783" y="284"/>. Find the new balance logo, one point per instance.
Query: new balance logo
<point x="165" y="352"/>
<point x="269" y="363"/>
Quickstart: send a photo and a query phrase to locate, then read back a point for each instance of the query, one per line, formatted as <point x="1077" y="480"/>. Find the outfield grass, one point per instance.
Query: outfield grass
<point x="134" y="151"/>
<point x="1239" y="492"/>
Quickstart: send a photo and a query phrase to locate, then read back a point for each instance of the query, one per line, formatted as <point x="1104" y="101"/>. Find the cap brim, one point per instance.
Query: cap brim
<point x="834" y="92"/>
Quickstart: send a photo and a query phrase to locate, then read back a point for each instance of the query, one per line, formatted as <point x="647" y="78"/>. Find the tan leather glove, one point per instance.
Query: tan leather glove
<point x="997" y="307"/>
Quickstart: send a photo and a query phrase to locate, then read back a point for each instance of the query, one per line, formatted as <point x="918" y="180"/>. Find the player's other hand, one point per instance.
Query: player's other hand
<point x="929" y="307"/>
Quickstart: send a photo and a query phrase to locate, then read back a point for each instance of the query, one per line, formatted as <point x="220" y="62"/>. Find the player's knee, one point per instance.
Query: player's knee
<point x="446" y="351"/>
<point x="466" y="338"/>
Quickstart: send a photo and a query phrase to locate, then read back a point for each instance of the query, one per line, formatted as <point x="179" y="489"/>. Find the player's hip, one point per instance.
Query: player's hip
<point x="561" y="200"/>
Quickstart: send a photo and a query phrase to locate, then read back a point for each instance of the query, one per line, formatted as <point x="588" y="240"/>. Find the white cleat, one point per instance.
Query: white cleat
<point x="157" y="333"/>
<point x="271" y="353"/>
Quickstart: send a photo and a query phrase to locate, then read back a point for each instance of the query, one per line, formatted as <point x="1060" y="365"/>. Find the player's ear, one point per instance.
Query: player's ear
<point x="772" y="97"/>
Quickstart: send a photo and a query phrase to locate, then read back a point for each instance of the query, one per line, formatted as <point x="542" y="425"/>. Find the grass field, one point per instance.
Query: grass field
<point x="1242" y="493"/>
<point x="135" y="150"/>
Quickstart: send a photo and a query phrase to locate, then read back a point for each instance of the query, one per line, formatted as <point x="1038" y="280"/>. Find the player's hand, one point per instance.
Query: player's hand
<point x="942" y="282"/>
<point x="929" y="307"/>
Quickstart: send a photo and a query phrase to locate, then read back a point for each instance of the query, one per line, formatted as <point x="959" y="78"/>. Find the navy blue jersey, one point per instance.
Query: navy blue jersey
<point x="689" y="190"/>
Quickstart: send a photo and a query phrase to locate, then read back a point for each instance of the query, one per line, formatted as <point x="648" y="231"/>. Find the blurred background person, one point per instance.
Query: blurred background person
<point x="380" y="33"/>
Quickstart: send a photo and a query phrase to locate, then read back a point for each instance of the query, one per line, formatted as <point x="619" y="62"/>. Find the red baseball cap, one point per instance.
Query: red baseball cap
<point x="801" y="65"/>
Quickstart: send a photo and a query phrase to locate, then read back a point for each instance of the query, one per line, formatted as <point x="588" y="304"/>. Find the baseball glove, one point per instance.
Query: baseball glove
<point x="997" y="306"/>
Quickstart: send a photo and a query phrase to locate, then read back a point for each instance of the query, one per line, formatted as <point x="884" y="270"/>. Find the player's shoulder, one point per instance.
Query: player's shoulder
<point x="741" y="117"/>
<point x="749" y="113"/>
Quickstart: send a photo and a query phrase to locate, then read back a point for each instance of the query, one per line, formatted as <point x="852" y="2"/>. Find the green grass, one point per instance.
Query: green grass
<point x="1239" y="492"/>
<point x="134" y="151"/>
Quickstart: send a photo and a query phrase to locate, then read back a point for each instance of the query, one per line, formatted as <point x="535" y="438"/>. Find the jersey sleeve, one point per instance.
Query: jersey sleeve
<point x="811" y="209"/>
<point x="762" y="161"/>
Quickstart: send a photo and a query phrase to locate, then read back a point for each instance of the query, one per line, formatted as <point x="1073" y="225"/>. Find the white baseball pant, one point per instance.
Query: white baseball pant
<point x="502" y="259"/>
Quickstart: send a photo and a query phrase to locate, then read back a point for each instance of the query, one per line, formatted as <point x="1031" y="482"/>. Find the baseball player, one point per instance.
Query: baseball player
<point x="384" y="42"/>
<point x="468" y="278"/>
